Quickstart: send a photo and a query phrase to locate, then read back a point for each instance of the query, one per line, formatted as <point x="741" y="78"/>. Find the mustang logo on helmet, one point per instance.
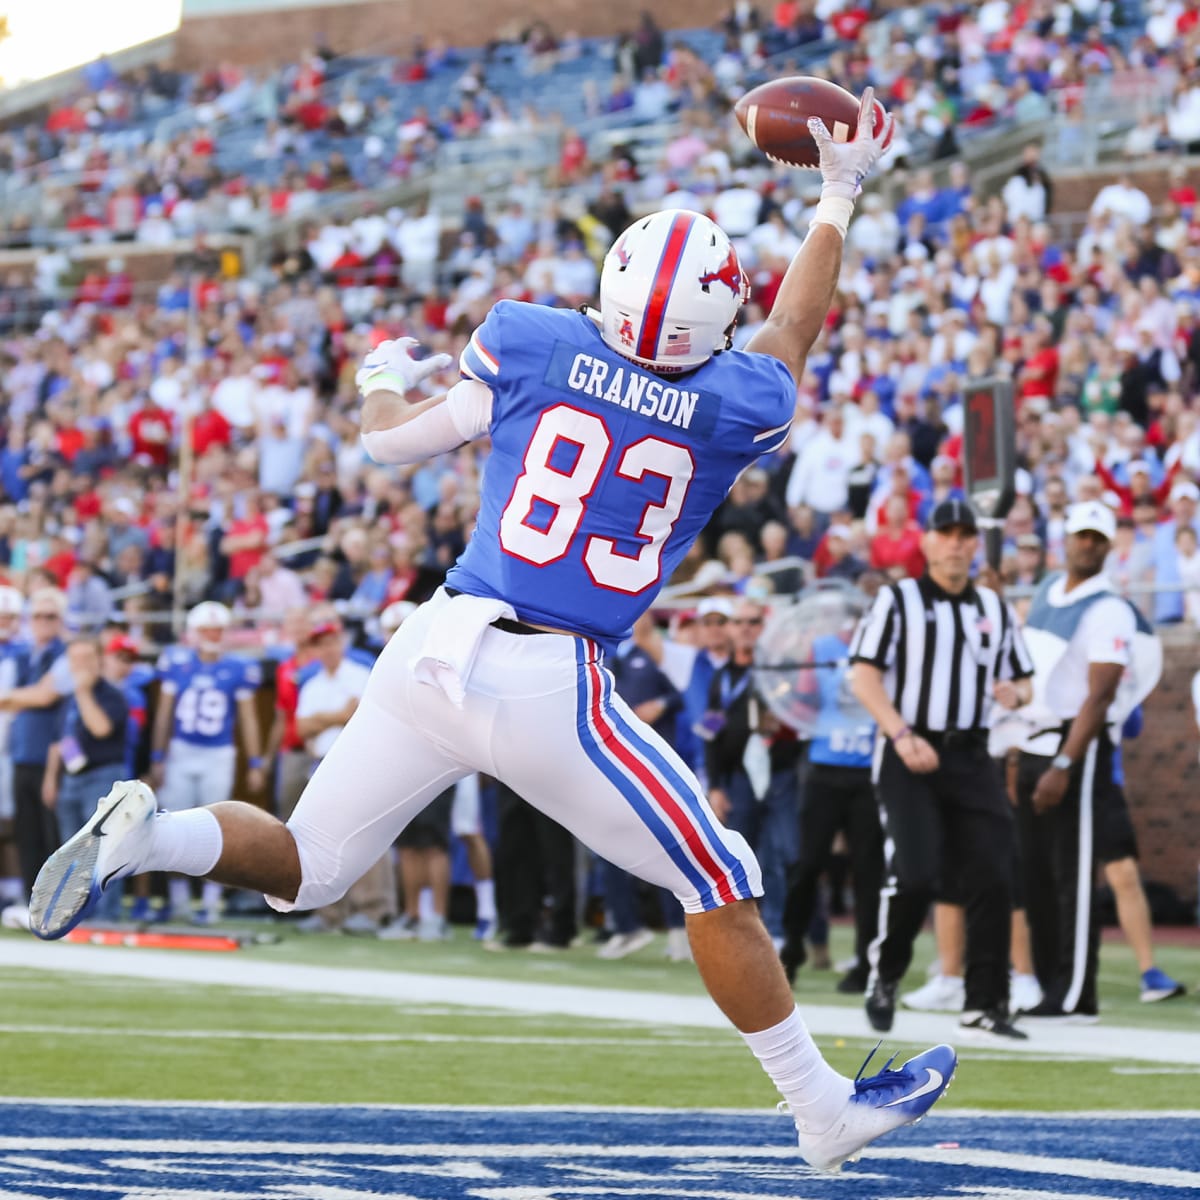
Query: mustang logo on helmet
<point x="730" y="274"/>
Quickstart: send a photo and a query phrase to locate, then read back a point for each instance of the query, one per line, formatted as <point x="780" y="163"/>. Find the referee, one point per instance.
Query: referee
<point x="928" y="659"/>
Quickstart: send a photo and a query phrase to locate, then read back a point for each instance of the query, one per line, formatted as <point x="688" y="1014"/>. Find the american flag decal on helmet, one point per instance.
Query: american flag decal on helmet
<point x="678" y="343"/>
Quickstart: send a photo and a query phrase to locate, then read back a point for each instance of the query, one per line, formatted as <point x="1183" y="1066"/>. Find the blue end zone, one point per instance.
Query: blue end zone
<point x="112" y="1151"/>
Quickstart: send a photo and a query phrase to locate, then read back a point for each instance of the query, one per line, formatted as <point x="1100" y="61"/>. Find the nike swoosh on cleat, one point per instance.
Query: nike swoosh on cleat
<point x="98" y="828"/>
<point x="930" y="1085"/>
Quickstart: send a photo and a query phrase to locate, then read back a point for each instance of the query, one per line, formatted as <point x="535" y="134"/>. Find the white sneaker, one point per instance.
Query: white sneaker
<point x="620" y="945"/>
<point x="359" y="922"/>
<point x="879" y="1104"/>
<point x="110" y="846"/>
<point x="1024" y="993"/>
<point x="402" y="929"/>
<point x="679" y="949"/>
<point x="433" y="929"/>
<point x="943" y="993"/>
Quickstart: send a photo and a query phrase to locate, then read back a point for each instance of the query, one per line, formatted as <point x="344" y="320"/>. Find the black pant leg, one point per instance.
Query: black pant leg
<point x="518" y="868"/>
<point x="556" y="847"/>
<point x="1036" y="837"/>
<point x="1074" y="984"/>
<point x="35" y="828"/>
<point x="913" y="838"/>
<point x="821" y="816"/>
<point x="865" y="836"/>
<point x="979" y="840"/>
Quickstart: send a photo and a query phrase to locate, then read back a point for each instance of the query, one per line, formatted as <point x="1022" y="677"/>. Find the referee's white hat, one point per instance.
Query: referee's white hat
<point x="1091" y="515"/>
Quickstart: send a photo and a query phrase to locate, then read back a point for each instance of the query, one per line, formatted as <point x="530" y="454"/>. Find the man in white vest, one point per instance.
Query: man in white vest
<point x="1095" y="658"/>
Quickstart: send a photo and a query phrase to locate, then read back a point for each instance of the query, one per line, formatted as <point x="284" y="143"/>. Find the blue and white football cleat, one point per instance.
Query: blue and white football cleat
<point x="1158" y="985"/>
<point x="881" y="1103"/>
<point x="109" y="846"/>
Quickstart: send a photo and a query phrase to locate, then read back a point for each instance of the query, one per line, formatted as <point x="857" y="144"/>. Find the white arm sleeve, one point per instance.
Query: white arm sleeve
<point x="465" y="414"/>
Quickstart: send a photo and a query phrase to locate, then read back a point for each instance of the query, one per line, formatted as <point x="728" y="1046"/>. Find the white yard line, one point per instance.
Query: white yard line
<point x="609" y="1004"/>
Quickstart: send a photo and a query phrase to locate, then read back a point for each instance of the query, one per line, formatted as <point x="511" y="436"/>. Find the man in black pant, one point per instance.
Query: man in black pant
<point x="838" y="797"/>
<point x="535" y="877"/>
<point x="1093" y="665"/>
<point x="928" y="660"/>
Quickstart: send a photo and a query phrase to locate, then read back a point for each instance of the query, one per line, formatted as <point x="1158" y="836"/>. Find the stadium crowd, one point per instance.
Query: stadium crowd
<point x="197" y="440"/>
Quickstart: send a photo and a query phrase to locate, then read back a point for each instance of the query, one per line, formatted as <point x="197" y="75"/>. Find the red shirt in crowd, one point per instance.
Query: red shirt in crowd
<point x="210" y="429"/>
<point x="901" y="549"/>
<point x="150" y="430"/>
<point x="287" y="698"/>
<point x="242" y="561"/>
<point x="1040" y="374"/>
<point x="61" y="566"/>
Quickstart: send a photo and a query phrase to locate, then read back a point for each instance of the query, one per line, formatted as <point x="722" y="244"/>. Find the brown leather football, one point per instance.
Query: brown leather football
<point x="775" y="116"/>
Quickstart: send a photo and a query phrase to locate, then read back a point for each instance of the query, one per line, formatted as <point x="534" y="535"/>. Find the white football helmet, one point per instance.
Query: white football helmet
<point x="208" y="621"/>
<point x="670" y="291"/>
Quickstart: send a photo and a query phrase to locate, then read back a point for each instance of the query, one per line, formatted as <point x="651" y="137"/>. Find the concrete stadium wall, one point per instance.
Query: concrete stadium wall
<point x="388" y="26"/>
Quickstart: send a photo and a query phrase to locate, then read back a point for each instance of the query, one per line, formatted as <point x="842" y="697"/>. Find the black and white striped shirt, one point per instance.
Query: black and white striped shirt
<point x="940" y="654"/>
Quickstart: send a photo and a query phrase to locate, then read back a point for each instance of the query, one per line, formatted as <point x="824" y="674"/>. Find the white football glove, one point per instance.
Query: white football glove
<point x="844" y="165"/>
<point x="391" y="368"/>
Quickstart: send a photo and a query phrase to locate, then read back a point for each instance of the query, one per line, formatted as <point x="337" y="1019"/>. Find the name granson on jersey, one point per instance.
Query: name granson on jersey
<point x="574" y="370"/>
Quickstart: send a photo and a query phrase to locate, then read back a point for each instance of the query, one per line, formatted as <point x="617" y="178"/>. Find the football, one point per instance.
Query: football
<point x="775" y="117"/>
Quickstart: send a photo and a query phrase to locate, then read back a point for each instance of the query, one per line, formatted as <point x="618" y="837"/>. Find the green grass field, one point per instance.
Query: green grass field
<point x="68" y="1034"/>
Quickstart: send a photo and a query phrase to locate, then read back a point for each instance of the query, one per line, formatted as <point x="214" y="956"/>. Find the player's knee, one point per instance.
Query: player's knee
<point x="1122" y="875"/>
<point x="729" y="875"/>
<point x="323" y="878"/>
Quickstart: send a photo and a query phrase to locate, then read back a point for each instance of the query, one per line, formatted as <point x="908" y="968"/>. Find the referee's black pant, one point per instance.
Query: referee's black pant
<point x="837" y="799"/>
<point x="949" y="830"/>
<point x="35" y="827"/>
<point x="1060" y="849"/>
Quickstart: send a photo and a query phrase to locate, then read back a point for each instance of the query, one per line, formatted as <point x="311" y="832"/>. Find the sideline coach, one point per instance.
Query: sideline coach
<point x="927" y="662"/>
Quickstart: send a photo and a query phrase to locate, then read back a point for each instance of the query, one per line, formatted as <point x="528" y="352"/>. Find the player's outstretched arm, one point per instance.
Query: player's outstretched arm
<point x="396" y="432"/>
<point x="802" y="303"/>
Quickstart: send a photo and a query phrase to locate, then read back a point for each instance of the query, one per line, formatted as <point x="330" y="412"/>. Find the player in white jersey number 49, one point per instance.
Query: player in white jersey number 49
<point x="615" y="435"/>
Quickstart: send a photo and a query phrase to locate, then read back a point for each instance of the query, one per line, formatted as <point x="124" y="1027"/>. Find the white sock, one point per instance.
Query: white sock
<point x="425" y="905"/>
<point x="815" y="1092"/>
<point x="210" y="896"/>
<point x="188" y="843"/>
<point x="179" y="893"/>
<point x="485" y="900"/>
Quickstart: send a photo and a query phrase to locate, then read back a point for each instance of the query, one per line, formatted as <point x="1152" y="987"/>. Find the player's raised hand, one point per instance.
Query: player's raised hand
<point x="844" y="165"/>
<point x="390" y="367"/>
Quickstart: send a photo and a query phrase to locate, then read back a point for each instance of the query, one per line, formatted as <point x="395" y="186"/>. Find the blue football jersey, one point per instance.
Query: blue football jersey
<point x="602" y="473"/>
<point x="845" y="733"/>
<point x="206" y="694"/>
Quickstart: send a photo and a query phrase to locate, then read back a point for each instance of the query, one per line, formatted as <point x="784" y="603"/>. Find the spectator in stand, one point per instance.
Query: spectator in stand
<point x="1185" y="499"/>
<point x="896" y="547"/>
<point x="1029" y="192"/>
<point x="820" y="476"/>
<point x="839" y="560"/>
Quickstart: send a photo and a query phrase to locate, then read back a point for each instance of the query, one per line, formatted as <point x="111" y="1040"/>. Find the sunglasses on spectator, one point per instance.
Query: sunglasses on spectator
<point x="747" y="621"/>
<point x="47" y="616"/>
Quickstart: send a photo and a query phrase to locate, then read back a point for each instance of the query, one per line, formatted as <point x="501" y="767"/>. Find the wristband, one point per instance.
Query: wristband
<point x="156" y="756"/>
<point x="255" y="763"/>
<point x="902" y="732"/>
<point x="384" y="380"/>
<point x="833" y="210"/>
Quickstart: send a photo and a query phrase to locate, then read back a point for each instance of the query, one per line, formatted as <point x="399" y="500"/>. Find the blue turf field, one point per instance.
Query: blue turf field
<point x="236" y="1152"/>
